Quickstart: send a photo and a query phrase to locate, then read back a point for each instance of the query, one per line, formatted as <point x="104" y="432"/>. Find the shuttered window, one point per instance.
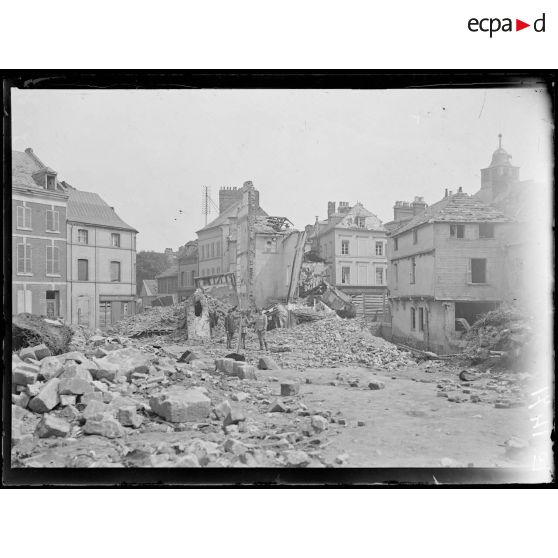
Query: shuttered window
<point x="83" y="270"/>
<point x="53" y="260"/>
<point x="24" y="258"/>
<point x="413" y="319"/>
<point x="52" y="221"/>
<point x="23" y="217"/>
<point x="413" y="270"/>
<point x="115" y="271"/>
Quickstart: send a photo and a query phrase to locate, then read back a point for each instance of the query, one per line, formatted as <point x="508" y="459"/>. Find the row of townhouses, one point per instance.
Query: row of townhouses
<point x="73" y="257"/>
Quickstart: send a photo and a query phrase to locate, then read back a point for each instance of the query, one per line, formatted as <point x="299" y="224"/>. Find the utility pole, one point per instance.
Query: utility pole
<point x="206" y="207"/>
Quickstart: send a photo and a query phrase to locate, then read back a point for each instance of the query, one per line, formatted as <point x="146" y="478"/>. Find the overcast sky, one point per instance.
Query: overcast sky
<point x="148" y="153"/>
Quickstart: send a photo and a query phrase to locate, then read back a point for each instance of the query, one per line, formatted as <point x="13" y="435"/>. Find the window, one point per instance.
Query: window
<point x="219" y="248"/>
<point x="213" y="249"/>
<point x="218" y="270"/>
<point x="421" y="319"/>
<point x="182" y="278"/>
<point x="271" y="245"/>
<point x="212" y="271"/>
<point x="83" y="270"/>
<point x="51" y="182"/>
<point x="52" y="260"/>
<point x="24" y="258"/>
<point x="395" y="244"/>
<point x="193" y="275"/>
<point x="115" y="240"/>
<point x="477" y="270"/>
<point x="413" y="270"/>
<point x="52" y="221"/>
<point x="415" y="236"/>
<point x="83" y="236"/>
<point x="379" y="248"/>
<point x="360" y="222"/>
<point x="413" y="319"/>
<point x="346" y="275"/>
<point x="23" y="217"/>
<point x="379" y="276"/>
<point x="486" y="230"/>
<point x="345" y="247"/>
<point x="396" y="275"/>
<point x="457" y="231"/>
<point x="115" y="271"/>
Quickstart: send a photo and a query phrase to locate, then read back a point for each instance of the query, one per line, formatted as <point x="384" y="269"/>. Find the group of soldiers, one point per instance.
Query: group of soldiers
<point x="241" y="321"/>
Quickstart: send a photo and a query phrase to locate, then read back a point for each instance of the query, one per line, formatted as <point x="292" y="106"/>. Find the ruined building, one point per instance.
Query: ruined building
<point x="446" y="265"/>
<point x="187" y="269"/>
<point x="352" y="244"/>
<point x="261" y="254"/>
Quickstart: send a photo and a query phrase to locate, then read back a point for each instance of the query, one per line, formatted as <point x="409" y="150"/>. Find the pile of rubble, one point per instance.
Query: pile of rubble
<point x="504" y="332"/>
<point x="28" y="329"/>
<point x="156" y="321"/>
<point x="121" y="404"/>
<point x="335" y="342"/>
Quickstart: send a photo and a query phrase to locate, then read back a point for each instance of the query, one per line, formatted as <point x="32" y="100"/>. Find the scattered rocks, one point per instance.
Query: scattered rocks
<point x="290" y="388"/>
<point x="319" y="423"/>
<point x="277" y="406"/>
<point x="296" y="458"/>
<point x="51" y="426"/>
<point x="234" y="416"/>
<point x="181" y="405"/>
<point x="376" y="384"/>
<point x="47" y="398"/>
<point x="267" y="363"/>
<point x="107" y="426"/>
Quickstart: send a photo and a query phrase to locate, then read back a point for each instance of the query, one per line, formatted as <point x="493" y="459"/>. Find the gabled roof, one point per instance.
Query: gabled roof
<point x="170" y="272"/>
<point x="89" y="208"/>
<point x="24" y="166"/>
<point x="231" y="211"/>
<point x="150" y="287"/>
<point x="457" y="208"/>
<point x="342" y="218"/>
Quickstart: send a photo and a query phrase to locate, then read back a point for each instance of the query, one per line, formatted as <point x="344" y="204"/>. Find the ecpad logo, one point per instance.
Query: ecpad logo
<point x="493" y="25"/>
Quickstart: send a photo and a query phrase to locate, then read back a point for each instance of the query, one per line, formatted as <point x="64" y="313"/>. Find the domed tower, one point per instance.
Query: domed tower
<point x="496" y="178"/>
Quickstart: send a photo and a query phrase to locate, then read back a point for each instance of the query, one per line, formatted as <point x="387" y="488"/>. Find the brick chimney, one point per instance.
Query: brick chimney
<point x="228" y="196"/>
<point x="402" y="211"/>
<point x="330" y="209"/>
<point x="418" y="205"/>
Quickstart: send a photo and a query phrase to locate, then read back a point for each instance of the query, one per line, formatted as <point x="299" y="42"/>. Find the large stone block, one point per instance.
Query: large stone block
<point x="41" y="351"/>
<point x="51" y="426"/>
<point x="228" y="366"/>
<point x="244" y="371"/>
<point x="105" y="369"/>
<point x="267" y="363"/>
<point x="181" y="405"/>
<point x="74" y="386"/>
<point x="75" y="370"/>
<point x="25" y="374"/>
<point x="290" y="388"/>
<point x="108" y="427"/>
<point x="128" y="361"/>
<point x="47" y="398"/>
<point x="51" y="367"/>
<point x="95" y="410"/>
<point x="127" y="416"/>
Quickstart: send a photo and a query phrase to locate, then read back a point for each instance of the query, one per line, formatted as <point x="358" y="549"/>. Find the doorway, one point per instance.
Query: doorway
<point x="53" y="304"/>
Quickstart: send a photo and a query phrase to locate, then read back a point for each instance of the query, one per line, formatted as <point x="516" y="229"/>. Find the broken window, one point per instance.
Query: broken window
<point x="83" y="236"/>
<point x="271" y="245"/>
<point x="379" y="248"/>
<point x="413" y="319"/>
<point x="379" y="276"/>
<point x="198" y="308"/>
<point x="486" y="230"/>
<point x="345" y="247"/>
<point x="413" y="270"/>
<point x="415" y="236"/>
<point x="421" y="319"/>
<point x="477" y="270"/>
<point x="52" y="221"/>
<point x="346" y="275"/>
<point x="83" y="270"/>
<point x="115" y="271"/>
<point x="457" y="231"/>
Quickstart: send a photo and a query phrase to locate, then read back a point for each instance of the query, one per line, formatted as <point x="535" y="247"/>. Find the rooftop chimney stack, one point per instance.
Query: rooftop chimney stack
<point x="419" y="205"/>
<point x="228" y="196"/>
<point x="330" y="209"/>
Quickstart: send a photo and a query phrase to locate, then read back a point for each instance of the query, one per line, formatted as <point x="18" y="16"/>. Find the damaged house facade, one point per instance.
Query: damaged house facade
<point x="187" y="269"/>
<point x="259" y="254"/>
<point x="352" y="244"/>
<point x="446" y="268"/>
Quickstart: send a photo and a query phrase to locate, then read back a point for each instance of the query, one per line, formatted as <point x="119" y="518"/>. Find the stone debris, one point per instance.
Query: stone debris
<point x="290" y="388"/>
<point x="181" y="405"/>
<point x="51" y="426"/>
<point x="376" y="385"/>
<point x="47" y="398"/>
<point x="106" y="426"/>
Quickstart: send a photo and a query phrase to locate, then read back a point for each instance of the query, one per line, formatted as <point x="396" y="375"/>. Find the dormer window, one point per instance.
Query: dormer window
<point x="50" y="182"/>
<point x="360" y="222"/>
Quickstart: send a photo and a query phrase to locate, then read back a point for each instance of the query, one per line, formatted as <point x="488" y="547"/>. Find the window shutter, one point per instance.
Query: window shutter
<point x="48" y="222"/>
<point x="48" y="258"/>
<point x="27" y="220"/>
<point x="21" y="258"/>
<point x="56" y="219"/>
<point x="20" y="216"/>
<point x="27" y="258"/>
<point x="469" y="273"/>
<point x="56" y="258"/>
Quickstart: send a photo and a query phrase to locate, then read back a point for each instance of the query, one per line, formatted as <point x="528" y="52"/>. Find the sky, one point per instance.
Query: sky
<point x="148" y="153"/>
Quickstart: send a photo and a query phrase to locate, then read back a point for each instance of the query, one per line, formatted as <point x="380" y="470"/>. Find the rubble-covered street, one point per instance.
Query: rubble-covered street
<point x="328" y="393"/>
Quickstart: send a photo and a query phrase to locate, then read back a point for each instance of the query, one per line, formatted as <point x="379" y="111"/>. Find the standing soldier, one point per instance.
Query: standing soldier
<point x="229" y="328"/>
<point x="243" y="329"/>
<point x="261" y="328"/>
